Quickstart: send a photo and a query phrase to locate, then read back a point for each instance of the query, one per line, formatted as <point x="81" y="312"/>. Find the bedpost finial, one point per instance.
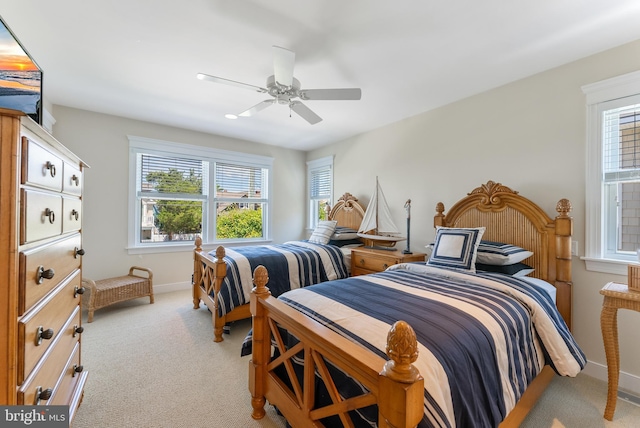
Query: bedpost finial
<point x="198" y="243"/>
<point x="220" y="253"/>
<point x="260" y="279"/>
<point x="402" y="350"/>
<point x="440" y="208"/>
<point x="564" y="207"/>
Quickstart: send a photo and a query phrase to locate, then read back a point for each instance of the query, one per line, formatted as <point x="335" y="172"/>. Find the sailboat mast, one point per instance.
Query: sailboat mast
<point x="377" y="199"/>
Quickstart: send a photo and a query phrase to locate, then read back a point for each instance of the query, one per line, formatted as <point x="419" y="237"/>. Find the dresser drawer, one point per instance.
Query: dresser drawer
<point x="370" y="262"/>
<point x="49" y="375"/>
<point x="50" y="316"/>
<point x="72" y="210"/>
<point x="67" y="337"/>
<point x="72" y="179"/>
<point x="40" y="167"/>
<point x="59" y="256"/>
<point x="41" y="216"/>
<point x="71" y="383"/>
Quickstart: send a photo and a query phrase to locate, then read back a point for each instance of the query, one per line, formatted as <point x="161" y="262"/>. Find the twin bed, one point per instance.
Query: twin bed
<point x="419" y="344"/>
<point x="223" y="279"/>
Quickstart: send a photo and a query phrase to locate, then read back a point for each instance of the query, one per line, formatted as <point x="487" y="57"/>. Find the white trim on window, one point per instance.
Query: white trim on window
<point x="211" y="155"/>
<point x="600" y="96"/>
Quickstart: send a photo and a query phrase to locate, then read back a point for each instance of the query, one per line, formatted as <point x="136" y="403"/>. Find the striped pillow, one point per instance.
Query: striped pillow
<point x="497" y="253"/>
<point x="323" y="232"/>
<point x="456" y="248"/>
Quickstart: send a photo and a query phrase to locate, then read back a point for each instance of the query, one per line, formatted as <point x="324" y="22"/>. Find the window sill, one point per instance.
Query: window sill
<point x="616" y="267"/>
<point x="190" y="246"/>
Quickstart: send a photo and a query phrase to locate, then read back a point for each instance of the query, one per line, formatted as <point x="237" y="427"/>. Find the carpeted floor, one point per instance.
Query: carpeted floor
<point x="157" y="366"/>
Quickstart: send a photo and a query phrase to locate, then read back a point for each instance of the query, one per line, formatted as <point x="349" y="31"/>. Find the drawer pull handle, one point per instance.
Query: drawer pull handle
<point x="50" y="214"/>
<point x="385" y="266"/>
<point x="77" y="252"/>
<point x="361" y="262"/>
<point x="43" y="334"/>
<point x="75" y="179"/>
<point x="52" y="169"/>
<point x="42" y="394"/>
<point x="77" y="330"/>
<point x="75" y="214"/>
<point x="77" y="369"/>
<point x="78" y="290"/>
<point x="43" y="274"/>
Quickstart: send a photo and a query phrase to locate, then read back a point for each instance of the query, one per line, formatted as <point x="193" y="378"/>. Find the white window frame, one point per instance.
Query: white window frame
<point x="173" y="149"/>
<point x="314" y="166"/>
<point x="601" y="96"/>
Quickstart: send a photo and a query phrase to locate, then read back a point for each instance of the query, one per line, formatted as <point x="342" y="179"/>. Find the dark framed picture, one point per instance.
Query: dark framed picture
<point x="20" y="76"/>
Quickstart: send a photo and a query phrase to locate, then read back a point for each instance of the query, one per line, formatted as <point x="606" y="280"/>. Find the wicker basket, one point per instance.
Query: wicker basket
<point x="634" y="277"/>
<point x="105" y="292"/>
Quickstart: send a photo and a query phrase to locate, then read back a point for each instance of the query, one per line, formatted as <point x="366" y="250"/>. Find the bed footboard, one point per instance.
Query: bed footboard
<point x="395" y="385"/>
<point x="208" y="274"/>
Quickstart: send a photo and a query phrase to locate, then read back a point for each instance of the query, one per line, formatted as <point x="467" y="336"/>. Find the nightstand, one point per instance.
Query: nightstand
<point x="616" y="296"/>
<point x="369" y="260"/>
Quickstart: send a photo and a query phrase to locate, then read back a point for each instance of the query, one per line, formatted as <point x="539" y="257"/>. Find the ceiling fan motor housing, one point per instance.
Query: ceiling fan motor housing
<point x="283" y="94"/>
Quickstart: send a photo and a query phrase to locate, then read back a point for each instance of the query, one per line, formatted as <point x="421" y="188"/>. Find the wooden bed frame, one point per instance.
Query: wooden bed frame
<point x="209" y="272"/>
<point x="395" y="385"/>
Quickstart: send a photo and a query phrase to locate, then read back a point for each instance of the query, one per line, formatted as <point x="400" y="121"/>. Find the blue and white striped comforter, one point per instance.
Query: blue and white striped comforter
<point x="482" y="337"/>
<point x="290" y="265"/>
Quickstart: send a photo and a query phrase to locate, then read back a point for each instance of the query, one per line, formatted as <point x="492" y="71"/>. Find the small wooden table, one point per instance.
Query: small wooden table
<point x="616" y="296"/>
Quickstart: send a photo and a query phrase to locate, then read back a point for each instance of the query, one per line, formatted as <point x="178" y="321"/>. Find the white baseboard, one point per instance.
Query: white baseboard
<point x="168" y="288"/>
<point x="627" y="382"/>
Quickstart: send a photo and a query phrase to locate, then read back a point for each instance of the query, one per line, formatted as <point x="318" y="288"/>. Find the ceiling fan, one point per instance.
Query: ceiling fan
<point x="285" y="89"/>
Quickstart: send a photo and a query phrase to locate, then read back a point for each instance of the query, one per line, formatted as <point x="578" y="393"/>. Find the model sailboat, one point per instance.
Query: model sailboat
<point x="377" y="228"/>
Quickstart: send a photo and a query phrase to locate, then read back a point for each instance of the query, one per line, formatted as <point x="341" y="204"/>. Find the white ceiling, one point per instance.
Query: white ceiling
<point x="139" y="58"/>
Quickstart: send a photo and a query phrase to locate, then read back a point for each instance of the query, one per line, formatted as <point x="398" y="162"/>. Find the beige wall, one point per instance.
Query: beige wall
<point x="529" y="135"/>
<point x="101" y="141"/>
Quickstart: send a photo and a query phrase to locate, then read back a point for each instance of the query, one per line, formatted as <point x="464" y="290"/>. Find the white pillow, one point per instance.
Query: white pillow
<point x="323" y="232"/>
<point x="456" y="248"/>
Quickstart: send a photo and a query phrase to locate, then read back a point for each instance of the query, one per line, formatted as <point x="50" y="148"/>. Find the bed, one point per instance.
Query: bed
<point x="311" y="346"/>
<point x="222" y="279"/>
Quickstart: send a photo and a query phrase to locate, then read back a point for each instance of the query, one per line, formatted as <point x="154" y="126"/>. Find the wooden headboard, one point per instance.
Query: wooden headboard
<point x="514" y="219"/>
<point x="347" y="212"/>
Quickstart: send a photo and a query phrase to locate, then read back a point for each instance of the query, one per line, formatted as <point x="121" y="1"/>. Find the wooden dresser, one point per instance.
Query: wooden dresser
<point x="40" y="267"/>
<point x="369" y="260"/>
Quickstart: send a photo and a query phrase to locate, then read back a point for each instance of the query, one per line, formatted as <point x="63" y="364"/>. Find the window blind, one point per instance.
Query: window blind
<point x="169" y="175"/>
<point x="621" y="148"/>
<point x="239" y="181"/>
<point x="320" y="183"/>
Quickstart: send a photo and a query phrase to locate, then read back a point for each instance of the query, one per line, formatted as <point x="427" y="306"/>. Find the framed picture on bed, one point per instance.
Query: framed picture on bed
<point x="20" y="76"/>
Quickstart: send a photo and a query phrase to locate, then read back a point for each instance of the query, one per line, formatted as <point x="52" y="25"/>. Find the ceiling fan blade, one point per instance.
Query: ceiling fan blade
<point x="256" y="108"/>
<point x="331" y="94"/>
<point x="283" y="61"/>
<point x="305" y="112"/>
<point x="215" y="79"/>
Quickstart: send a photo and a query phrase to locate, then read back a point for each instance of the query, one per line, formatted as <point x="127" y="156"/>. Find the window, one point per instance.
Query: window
<point x="613" y="174"/>
<point x="178" y="192"/>
<point x="320" y="180"/>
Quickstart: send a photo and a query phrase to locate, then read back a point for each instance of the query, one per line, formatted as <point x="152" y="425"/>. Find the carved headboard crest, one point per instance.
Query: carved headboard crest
<point x="490" y="194"/>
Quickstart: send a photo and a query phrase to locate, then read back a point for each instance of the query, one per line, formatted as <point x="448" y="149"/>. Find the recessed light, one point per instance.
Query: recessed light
<point x="231" y="116"/>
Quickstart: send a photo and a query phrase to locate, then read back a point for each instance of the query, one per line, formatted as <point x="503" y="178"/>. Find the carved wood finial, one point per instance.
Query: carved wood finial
<point x="198" y="243"/>
<point x="402" y="350"/>
<point x="564" y="207"/>
<point x="220" y="253"/>
<point x="440" y="208"/>
<point x="260" y="279"/>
